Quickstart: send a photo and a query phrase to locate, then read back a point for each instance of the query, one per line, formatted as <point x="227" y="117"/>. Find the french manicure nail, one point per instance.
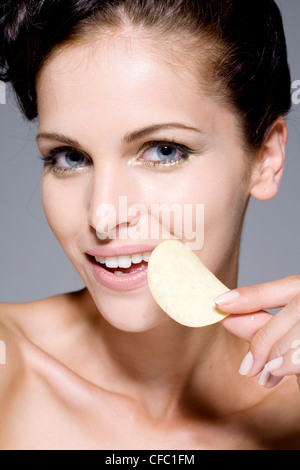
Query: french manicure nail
<point x="275" y="364"/>
<point x="273" y="381"/>
<point x="264" y="377"/>
<point x="247" y="364"/>
<point x="227" y="298"/>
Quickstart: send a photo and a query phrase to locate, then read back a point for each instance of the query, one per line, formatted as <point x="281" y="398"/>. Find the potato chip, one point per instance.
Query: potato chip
<point x="182" y="286"/>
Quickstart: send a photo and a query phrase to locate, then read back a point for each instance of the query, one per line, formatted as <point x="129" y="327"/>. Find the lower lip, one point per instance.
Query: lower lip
<point x="115" y="282"/>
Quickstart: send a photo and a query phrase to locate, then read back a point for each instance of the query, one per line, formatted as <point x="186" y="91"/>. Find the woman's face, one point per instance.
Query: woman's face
<point x="122" y="128"/>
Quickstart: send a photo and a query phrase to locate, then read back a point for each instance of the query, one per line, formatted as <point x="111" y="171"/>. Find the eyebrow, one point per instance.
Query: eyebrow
<point x="58" y="138"/>
<point x="146" y="131"/>
<point x="128" y="138"/>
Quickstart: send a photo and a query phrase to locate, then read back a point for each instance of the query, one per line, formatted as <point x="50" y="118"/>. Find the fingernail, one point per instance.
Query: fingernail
<point x="275" y="364"/>
<point x="273" y="381"/>
<point x="264" y="377"/>
<point x="247" y="364"/>
<point x="227" y="298"/>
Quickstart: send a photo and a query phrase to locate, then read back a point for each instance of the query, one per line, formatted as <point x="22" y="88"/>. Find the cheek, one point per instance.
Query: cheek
<point x="63" y="207"/>
<point x="225" y="200"/>
<point x="210" y="198"/>
<point x="225" y="206"/>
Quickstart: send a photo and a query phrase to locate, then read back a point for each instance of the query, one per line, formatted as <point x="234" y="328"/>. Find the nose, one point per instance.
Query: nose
<point x="110" y="194"/>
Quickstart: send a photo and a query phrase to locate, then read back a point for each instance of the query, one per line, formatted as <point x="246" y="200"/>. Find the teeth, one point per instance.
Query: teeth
<point x="123" y="261"/>
<point x="146" y="257"/>
<point x="136" y="259"/>
<point x="112" y="263"/>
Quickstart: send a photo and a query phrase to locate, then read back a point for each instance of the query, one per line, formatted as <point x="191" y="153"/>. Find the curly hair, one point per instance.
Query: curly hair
<point x="247" y="64"/>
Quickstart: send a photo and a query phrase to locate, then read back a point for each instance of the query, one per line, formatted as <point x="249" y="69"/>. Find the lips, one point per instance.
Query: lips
<point x="124" y="265"/>
<point x="122" y="269"/>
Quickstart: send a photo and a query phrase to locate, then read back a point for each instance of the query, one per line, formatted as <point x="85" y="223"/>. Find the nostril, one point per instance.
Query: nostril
<point x="134" y="221"/>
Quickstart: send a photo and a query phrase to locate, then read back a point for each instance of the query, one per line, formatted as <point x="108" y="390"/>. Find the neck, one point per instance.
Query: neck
<point x="160" y="365"/>
<point x="167" y="363"/>
<point x="167" y="350"/>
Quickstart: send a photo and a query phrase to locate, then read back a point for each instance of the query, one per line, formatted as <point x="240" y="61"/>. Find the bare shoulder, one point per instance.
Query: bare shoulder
<point x="11" y="362"/>
<point x="25" y="327"/>
<point x="20" y="322"/>
<point x="41" y="323"/>
<point x="33" y="336"/>
<point x="36" y="318"/>
<point x="21" y="319"/>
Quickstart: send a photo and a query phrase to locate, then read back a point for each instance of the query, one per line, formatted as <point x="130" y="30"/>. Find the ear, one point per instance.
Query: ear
<point x="267" y="173"/>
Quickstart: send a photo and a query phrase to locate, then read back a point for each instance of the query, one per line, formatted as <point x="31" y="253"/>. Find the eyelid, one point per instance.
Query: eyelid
<point x="46" y="156"/>
<point x="162" y="142"/>
<point x="48" y="159"/>
<point x="167" y="142"/>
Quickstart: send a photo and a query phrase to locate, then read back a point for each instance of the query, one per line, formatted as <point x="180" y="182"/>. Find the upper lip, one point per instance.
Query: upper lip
<point x="106" y="252"/>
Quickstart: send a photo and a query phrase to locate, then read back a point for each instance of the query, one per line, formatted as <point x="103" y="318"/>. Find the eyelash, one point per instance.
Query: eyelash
<point x="49" y="159"/>
<point x="187" y="153"/>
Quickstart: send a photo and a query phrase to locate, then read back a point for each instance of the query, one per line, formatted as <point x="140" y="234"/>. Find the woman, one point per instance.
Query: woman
<point x="153" y="103"/>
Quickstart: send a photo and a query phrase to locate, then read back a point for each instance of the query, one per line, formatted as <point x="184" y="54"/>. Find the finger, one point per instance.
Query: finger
<point x="246" y="326"/>
<point x="270" y="340"/>
<point x="268" y="380"/>
<point x="276" y="369"/>
<point x="274" y="294"/>
<point x="288" y="362"/>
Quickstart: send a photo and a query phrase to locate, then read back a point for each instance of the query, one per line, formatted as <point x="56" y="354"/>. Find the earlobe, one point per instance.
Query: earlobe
<point x="267" y="185"/>
<point x="268" y="172"/>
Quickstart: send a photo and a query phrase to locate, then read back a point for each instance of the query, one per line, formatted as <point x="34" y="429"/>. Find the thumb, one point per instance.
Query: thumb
<point x="245" y="326"/>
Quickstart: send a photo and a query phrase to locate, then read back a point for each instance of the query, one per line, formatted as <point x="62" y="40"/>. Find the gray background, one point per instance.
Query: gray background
<point x="34" y="266"/>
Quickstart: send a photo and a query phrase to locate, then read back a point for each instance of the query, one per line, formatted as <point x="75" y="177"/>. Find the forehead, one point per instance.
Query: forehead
<point x="122" y="82"/>
<point x="118" y="66"/>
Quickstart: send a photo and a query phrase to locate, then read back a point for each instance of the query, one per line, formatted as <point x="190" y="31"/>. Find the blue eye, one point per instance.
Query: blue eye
<point x="70" y="159"/>
<point x="165" y="153"/>
<point x="74" y="159"/>
<point x="63" y="160"/>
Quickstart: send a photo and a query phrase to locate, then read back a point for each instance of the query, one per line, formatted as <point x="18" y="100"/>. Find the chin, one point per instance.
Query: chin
<point x="131" y="313"/>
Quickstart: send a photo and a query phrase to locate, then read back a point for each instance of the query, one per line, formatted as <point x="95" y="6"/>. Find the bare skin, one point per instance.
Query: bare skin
<point x="104" y="369"/>
<point x="55" y="397"/>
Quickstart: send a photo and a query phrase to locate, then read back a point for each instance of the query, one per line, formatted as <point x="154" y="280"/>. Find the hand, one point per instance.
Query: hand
<point x="274" y="340"/>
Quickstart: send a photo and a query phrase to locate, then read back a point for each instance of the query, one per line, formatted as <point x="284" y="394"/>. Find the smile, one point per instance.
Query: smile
<point x="120" y="269"/>
<point x="124" y="265"/>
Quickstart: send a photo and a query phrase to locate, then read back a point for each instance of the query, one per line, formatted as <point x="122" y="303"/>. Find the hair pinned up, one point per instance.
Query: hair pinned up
<point x="249" y="67"/>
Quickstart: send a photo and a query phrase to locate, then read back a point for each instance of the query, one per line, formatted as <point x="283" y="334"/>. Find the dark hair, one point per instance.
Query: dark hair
<point x="248" y="56"/>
